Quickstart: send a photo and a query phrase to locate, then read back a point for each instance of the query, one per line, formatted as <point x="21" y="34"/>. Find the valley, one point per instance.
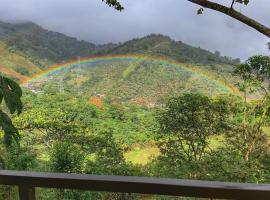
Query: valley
<point x="139" y="74"/>
<point x="149" y="106"/>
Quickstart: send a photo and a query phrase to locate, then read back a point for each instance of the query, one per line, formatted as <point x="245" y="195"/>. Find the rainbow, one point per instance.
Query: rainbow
<point x="206" y="75"/>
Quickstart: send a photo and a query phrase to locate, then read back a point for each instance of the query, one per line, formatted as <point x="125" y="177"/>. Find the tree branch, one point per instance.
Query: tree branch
<point x="232" y="4"/>
<point x="234" y="14"/>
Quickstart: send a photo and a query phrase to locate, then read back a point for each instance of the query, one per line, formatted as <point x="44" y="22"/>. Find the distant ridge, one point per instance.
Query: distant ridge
<point x="161" y="45"/>
<point x="40" y="49"/>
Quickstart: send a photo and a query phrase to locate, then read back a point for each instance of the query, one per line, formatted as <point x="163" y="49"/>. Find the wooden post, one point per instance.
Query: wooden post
<point x="26" y="193"/>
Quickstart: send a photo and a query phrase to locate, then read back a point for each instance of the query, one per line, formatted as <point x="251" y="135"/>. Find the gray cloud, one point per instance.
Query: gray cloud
<point x="93" y="21"/>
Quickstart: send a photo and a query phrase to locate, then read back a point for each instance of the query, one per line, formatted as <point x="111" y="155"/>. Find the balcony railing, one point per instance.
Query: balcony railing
<point x="28" y="181"/>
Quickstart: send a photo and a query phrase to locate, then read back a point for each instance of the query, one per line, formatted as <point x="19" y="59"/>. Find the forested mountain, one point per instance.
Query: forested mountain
<point x="27" y="49"/>
<point x="42" y="48"/>
<point x="157" y="44"/>
<point x="45" y="47"/>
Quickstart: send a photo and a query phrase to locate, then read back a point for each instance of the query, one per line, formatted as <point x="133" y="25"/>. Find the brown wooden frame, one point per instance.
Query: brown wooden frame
<point x="28" y="181"/>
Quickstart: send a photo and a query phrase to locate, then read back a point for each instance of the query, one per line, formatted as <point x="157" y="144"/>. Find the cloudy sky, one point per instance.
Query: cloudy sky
<point x="93" y="21"/>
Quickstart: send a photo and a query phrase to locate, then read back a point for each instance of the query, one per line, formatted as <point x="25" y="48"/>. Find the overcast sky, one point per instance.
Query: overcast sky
<point x="93" y="21"/>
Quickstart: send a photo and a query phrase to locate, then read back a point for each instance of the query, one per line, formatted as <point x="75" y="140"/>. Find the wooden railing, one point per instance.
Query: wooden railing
<point x="28" y="181"/>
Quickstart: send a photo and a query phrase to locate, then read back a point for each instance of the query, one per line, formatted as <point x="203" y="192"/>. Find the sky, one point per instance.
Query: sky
<point x="94" y="21"/>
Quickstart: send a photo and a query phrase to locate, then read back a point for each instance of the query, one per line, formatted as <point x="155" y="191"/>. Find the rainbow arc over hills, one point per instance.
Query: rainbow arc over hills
<point x="226" y="87"/>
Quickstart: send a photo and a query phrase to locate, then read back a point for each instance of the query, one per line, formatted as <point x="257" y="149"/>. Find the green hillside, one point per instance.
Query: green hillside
<point x="141" y="82"/>
<point x="15" y="64"/>
<point x="44" y="47"/>
<point x="27" y="49"/>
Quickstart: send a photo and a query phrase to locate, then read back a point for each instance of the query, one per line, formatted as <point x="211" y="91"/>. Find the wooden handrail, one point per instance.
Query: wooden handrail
<point x="27" y="181"/>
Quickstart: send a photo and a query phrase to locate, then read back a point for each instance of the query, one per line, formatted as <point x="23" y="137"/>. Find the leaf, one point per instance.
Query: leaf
<point x="11" y="93"/>
<point x="14" y="87"/>
<point x="115" y="4"/>
<point x="200" y="11"/>
<point x="13" y="102"/>
<point x="10" y="132"/>
<point x="246" y="2"/>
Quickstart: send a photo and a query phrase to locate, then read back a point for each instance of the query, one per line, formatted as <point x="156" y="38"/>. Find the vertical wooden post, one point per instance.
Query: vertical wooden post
<point x="26" y="193"/>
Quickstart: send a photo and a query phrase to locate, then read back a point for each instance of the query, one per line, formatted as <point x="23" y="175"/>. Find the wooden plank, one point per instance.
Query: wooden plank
<point x="142" y="185"/>
<point x="26" y="193"/>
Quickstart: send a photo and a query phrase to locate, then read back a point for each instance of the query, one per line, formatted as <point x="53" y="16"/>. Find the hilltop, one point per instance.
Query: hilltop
<point x="44" y="47"/>
<point x="157" y="44"/>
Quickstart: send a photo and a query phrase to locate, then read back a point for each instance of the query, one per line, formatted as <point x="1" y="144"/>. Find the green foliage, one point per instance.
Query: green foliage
<point x="146" y="83"/>
<point x="117" y="112"/>
<point x="228" y="164"/>
<point x="10" y="93"/>
<point x="107" y="156"/>
<point x="18" y="158"/>
<point x="254" y="72"/>
<point x="66" y="157"/>
<point x="115" y="4"/>
<point x="248" y="127"/>
<point x="190" y="120"/>
<point x="243" y="1"/>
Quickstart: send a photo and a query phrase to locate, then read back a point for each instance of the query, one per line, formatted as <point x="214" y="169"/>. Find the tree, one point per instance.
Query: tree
<point x="247" y="133"/>
<point x="57" y="118"/>
<point x="11" y="93"/>
<point x="227" y="10"/>
<point x="190" y="120"/>
<point x="66" y="157"/>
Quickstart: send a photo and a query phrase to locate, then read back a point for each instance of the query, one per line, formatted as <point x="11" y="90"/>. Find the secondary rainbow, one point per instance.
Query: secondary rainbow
<point x="132" y="57"/>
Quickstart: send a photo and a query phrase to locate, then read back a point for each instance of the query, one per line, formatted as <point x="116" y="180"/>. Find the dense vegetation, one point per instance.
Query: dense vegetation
<point x="190" y="135"/>
<point x="141" y="82"/>
<point x="138" y="118"/>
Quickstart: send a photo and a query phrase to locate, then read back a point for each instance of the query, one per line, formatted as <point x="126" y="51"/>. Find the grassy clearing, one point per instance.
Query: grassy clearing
<point x="141" y="155"/>
<point x="266" y="130"/>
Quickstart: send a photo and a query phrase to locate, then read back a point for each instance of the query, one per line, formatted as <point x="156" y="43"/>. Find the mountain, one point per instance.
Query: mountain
<point x="44" y="47"/>
<point x="27" y="49"/>
<point x="157" y="44"/>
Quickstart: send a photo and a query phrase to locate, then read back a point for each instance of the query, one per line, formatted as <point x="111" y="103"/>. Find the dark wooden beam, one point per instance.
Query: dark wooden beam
<point x="142" y="185"/>
<point x="26" y="193"/>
